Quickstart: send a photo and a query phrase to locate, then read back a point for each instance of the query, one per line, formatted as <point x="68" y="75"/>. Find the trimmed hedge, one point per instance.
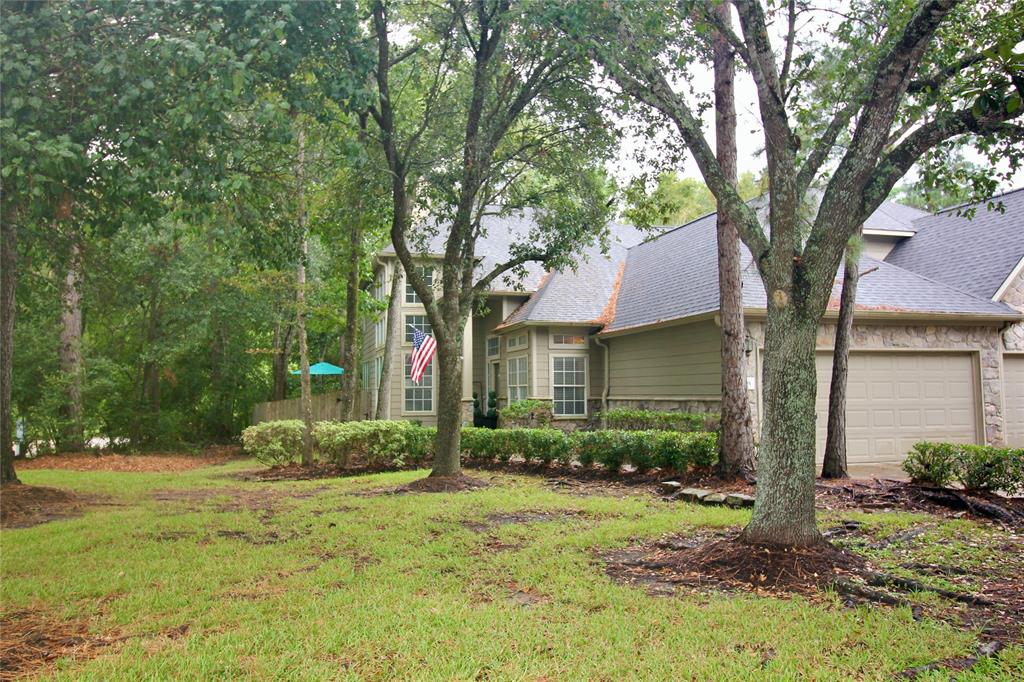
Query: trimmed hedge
<point x="976" y="467"/>
<point x="645" y="450"/>
<point x="630" y="419"/>
<point x="396" y="444"/>
<point x="377" y="444"/>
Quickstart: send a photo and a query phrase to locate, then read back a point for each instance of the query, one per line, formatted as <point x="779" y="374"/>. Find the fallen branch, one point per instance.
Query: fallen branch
<point x="910" y="585"/>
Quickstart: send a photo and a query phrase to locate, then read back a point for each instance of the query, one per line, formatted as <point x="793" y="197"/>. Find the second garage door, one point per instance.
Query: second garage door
<point x="1013" y="398"/>
<point x="897" y="399"/>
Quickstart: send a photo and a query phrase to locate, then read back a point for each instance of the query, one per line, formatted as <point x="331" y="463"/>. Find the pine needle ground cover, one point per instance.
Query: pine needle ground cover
<point x="204" y="574"/>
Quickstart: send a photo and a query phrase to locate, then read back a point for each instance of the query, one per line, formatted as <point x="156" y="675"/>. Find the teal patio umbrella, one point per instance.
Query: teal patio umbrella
<point x="322" y="368"/>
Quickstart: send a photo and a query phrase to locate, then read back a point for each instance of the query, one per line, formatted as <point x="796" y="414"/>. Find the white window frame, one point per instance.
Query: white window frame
<point x="411" y="297"/>
<point x="429" y="331"/>
<point x="490" y="379"/>
<point x="517" y="342"/>
<point x="497" y="352"/>
<point x="407" y="384"/>
<point x="525" y="385"/>
<point x="380" y="331"/>
<point x="569" y="332"/>
<point x="585" y="386"/>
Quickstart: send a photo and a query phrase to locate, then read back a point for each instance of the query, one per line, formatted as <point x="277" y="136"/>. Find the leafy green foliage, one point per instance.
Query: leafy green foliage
<point x="976" y="467"/>
<point x="531" y="413"/>
<point x="676" y="201"/>
<point x="644" y="420"/>
<point x="377" y="444"/>
<point x="276" y="442"/>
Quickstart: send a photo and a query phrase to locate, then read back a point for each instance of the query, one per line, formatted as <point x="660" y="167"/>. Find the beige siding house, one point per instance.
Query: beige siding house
<point x="938" y="346"/>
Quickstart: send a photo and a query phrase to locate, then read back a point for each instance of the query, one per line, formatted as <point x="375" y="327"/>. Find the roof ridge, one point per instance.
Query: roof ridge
<point x="670" y="231"/>
<point x="972" y="203"/>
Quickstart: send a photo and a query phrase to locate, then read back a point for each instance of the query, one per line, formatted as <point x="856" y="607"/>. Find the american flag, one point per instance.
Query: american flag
<point x="423" y="347"/>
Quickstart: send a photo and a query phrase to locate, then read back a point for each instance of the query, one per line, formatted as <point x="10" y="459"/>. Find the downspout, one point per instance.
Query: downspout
<point x="607" y="381"/>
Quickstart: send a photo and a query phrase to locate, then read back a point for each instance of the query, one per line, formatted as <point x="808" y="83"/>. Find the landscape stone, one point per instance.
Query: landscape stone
<point x="739" y="500"/>
<point x="693" y="494"/>
<point x="669" y="487"/>
<point x="714" y="498"/>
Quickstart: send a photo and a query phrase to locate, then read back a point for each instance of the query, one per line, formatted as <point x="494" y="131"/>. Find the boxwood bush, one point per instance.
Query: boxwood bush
<point x="274" y="442"/>
<point x="396" y="444"/>
<point x="630" y="419"/>
<point x="526" y="413"/>
<point x="976" y="467"/>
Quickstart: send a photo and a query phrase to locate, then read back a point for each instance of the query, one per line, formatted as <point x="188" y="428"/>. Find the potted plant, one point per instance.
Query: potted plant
<point x="478" y="413"/>
<point x="490" y="419"/>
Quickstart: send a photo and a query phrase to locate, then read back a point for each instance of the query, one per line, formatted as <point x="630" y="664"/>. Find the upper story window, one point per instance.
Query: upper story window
<point x="568" y="340"/>
<point x="417" y="322"/>
<point x="427" y="273"/>
<point x="516" y="342"/>
<point x="493" y="346"/>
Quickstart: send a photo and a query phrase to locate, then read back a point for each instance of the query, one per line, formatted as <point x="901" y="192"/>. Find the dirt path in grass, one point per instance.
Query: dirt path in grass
<point x="22" y="506"/>
<point x="148" y="462"/>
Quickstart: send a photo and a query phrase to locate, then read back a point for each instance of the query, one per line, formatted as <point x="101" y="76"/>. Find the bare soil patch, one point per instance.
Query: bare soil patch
<point x="22" y="506"/>
<point x="526" y="516"/>
<point x="264" y="502"/>
<point x="138" y="463"/>
<point x="31" y="639"/>
<point x="293" y="471"/>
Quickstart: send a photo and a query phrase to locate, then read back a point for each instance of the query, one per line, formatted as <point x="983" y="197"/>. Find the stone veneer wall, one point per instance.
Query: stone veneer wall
<point x="1013" y="337"/>
<point x="981" y="339"/>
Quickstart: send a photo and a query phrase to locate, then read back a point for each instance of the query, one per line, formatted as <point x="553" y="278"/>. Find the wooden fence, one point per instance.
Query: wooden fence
<point x="326" y="407"/>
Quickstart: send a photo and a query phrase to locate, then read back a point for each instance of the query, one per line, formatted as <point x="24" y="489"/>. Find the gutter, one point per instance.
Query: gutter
<point x="607" y="380"/>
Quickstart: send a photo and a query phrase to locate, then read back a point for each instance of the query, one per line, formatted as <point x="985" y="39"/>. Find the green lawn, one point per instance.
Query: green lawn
<point x="311" y="580"/>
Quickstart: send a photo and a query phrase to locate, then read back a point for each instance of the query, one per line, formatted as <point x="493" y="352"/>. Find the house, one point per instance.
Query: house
<point x="938" y="342"/>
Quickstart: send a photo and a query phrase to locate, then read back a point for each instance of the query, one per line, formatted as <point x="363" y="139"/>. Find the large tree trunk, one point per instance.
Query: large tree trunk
<point x="393" y="332"/>
<point x="784" y="510"/>
<point x="73" y="432"/>
<point x="736" y="447"/>
<point x="8" y="283"/>
<point x="834" y="465"/>
<point x="306" y="400"/>
<point x="447" y="446"/>
<point x="349" y="341"/>
<point x="149" y="398"/>
<point x="279" y="360"/>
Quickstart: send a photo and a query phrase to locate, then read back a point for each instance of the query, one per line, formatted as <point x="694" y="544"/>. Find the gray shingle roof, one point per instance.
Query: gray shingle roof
<point x="675" y="276"/>
<point x="975" y="255"/>
<point x="892" y="216"/>
<point x="499" y="233"/>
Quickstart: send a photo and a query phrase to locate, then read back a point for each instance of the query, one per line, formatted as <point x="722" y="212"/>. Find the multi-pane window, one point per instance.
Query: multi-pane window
<point x="518" y="341"/>
<point x="568" y="340"/>
<point x="493" y="346"/>
<point x="427" y="273"/>
<point x="517" y="379"/>
<point x="417" y="322"/>
<point x="569" y="380"/>
<point x="419" y="397"/>
<point x="378" y="286"/>
<point x="380" y="331"/>
<point x="364" y="374"/>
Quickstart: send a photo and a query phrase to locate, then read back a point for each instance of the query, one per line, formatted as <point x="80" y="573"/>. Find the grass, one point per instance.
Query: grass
<point x="337" y="585"/>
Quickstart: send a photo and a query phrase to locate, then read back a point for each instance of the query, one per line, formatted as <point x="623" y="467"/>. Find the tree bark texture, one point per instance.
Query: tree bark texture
<point x="784" y="508"/>
<point x="394" y="320"/>
<point x="350" y="339"/>
<point x="73" y="432"/>
<point x="279" y="361"/>
<point x="736" y="447"/>
<point x="8" y="283"/>
<point x="306" y="400"/>
<point x="834" y="465"/>
<point x="447" y="447"/>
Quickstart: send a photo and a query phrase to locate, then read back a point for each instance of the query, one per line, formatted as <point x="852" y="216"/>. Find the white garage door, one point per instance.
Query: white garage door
<point x="897" y="399"/>
<point x="1013" y="398"/>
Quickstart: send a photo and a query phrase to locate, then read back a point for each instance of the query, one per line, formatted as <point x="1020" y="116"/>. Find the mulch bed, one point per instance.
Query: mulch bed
<point x="30" y="640"/>
<point x="145" y="462"/>
<point x="293" y="471"/>
<point x="22" y="506"/>
<point x="442" y="484"/>
<point x="718" y="562"/>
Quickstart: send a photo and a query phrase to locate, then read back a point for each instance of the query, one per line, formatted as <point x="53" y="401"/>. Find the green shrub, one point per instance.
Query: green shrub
<point x="379" y="443"/>
<point x="932" y="463"/>
<point x="984" y="467"/>
<point x="630" y="419"/>
<point x="976" y="467"/>
<point x="274" y="442"/>
<point x="526" y="413"/>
